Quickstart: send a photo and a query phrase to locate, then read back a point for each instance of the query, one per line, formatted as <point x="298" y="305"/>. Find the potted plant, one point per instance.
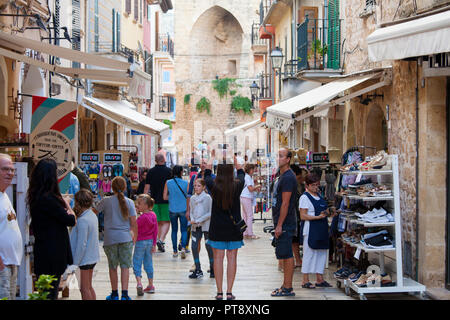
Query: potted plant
<point x="317" y="51"/>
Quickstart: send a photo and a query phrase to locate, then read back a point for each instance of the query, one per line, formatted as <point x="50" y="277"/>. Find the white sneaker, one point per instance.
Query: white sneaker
<point x="175" y="254"/>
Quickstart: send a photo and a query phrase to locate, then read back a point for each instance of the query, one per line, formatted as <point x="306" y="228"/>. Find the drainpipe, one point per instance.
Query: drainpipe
<point x="417" y="170"/>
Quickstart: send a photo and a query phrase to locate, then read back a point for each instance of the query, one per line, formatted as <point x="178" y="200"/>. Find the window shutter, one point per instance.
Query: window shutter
<point x="118" y="40"/>
<point x="128" y="6"/>
<point x="76" y="43"/>
<point x="113" y="30"/>
<point x="136" y="10"/>
<point x="334" y="35"/>
<point x="96" y="27"/>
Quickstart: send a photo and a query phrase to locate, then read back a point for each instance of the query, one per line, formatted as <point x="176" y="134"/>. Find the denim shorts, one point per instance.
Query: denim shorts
<point x="283" y="250"/>
<point x="225" y="245"/>
<point x="120" y="254"/>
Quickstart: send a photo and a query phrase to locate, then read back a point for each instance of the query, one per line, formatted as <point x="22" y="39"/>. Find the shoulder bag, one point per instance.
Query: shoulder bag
<point x="174" y="179"/>
<point x="241" y="226"/>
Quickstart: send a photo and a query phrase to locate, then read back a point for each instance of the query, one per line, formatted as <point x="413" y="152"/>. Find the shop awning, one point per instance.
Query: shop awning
<point x="244" y="127"/>
<point x="121" y="112"/>
<point x="283" y="114"/>
<point x="413" y="38"/>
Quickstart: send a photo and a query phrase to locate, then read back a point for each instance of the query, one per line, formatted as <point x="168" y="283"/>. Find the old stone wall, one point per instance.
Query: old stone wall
<point x="212" y="39"/>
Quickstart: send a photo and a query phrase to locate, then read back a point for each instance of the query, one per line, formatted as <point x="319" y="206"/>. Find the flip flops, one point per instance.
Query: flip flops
<point x="283" y="292"/>
<point x="308" y="285"/>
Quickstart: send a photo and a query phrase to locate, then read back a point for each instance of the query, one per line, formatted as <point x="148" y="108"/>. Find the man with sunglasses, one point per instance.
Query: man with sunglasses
<point x="285" y="220"/>
<point x="11" y="246"/>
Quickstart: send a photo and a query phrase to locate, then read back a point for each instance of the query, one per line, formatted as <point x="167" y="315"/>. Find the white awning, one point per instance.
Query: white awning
<point x="18" y="43"/>
<point x="282" y="115"/>
<point x="243" y="127"/>
<point x="413" y="38"/>
<point x="121" y="112"/>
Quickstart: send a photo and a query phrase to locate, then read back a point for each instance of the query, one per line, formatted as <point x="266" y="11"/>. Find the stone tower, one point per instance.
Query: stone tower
<point x="212" y="40"/>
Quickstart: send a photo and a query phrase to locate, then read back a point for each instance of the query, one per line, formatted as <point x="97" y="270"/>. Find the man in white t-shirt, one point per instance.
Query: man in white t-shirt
<point x="11" y="246"/>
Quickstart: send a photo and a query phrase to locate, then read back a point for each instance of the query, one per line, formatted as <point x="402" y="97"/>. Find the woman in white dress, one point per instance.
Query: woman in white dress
<point x="314" y="213"/>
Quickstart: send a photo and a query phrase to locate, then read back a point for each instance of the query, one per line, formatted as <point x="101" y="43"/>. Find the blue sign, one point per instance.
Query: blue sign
<point x="136" y="133"/>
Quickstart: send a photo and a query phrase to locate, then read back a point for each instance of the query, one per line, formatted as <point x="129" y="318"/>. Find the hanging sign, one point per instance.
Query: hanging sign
<point x="90" y="157"/>
<point x="112" y="157"/>
<point x="53" y="134"/>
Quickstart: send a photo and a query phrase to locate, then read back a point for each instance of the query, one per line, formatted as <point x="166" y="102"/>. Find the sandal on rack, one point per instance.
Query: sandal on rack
<point x="323" y="284"/>
<point x="219" y="296"/>
<point x="230" y="296"/>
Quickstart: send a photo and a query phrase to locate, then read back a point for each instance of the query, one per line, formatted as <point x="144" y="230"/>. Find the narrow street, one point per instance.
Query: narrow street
<point x="257" y="275"/>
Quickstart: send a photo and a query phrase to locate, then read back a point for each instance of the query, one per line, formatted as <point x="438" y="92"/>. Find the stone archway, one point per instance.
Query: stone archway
<point x="216" y="45"/>
<point x="376" y="129"/>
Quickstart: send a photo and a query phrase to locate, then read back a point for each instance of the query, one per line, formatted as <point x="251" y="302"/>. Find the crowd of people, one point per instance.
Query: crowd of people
<point x="207" y="206"/>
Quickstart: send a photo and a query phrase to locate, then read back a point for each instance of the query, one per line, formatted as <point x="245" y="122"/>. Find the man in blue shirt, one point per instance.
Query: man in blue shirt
<point x="285" y="220"/>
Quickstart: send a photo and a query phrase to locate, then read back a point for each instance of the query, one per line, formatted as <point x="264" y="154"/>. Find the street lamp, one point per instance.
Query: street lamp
<point x="277" y="58"/>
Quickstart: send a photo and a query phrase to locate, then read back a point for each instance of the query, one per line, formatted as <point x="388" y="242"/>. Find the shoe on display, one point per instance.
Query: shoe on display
<point x="196" y="274"/>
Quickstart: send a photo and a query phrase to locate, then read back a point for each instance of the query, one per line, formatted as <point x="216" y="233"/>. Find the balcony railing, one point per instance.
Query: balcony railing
<point x="166" y="104"/>
<point x="290" y="69"/>
<point x="165" y="44"/>
<point x="265" y="84"/>
<point x="107" y="47"/>
<point x="256" y="41"/>
<point x="264" y="8"/>
<point x="319" y="44"/>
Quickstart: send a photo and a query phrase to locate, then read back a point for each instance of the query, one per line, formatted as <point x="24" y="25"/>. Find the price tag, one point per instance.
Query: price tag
<point x="357" y="254"/>
<point x="358" y="177"/>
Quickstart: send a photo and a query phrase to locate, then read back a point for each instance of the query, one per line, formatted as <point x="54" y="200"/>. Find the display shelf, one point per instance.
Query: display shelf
<point x="368" y="172"/>
<point x="409" y="285"/>
<point x="402" y="284"/>
<point x="354" y="197"/>
<point x="369" y="224"/>
<point x="360" y="246"/>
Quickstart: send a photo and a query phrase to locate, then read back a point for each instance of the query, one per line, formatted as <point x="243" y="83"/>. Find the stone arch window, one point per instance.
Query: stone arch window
<point x="216" y="41"/>
<point x="376" y="129"/>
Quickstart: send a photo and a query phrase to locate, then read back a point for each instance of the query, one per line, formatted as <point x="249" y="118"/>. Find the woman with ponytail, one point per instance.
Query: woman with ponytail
<point x="120" y="235"/>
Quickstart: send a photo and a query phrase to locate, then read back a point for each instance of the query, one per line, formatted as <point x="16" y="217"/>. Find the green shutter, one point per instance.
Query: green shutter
<point x="113" y="30"/>
<point x="334" y="35"/>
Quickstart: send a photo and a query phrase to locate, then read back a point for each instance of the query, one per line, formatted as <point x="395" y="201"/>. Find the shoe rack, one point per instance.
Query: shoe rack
<point x="403" y="285"/>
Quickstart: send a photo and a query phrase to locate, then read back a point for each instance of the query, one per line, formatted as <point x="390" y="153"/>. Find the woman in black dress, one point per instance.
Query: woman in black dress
<point x="226" y="210"/>
<point x="50" y="217"/>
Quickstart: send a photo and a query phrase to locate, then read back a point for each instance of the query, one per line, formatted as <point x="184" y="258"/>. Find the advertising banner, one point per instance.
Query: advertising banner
<point x="52" y="135"/>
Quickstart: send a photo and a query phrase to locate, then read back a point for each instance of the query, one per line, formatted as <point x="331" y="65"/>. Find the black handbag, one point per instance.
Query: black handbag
<point x="241" y="226"/>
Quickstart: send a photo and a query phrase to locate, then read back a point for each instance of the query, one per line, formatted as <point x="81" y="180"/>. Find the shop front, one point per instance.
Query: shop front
<point x="416" y="113"/>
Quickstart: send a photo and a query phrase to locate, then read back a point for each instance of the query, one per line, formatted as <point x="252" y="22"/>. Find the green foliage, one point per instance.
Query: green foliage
<point x="241" y="103"/>
<point x="42" y="285"/>
<point x="232" y="92"/>
<point x="222" y="86"/>
<point x="204" y="104"/>
<point x="187" y="98"/>
<point x="168" y="122"/>
<point x="316" y="46"/>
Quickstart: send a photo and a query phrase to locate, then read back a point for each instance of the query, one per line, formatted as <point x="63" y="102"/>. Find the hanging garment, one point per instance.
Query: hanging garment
<point x="330" y="190"/>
